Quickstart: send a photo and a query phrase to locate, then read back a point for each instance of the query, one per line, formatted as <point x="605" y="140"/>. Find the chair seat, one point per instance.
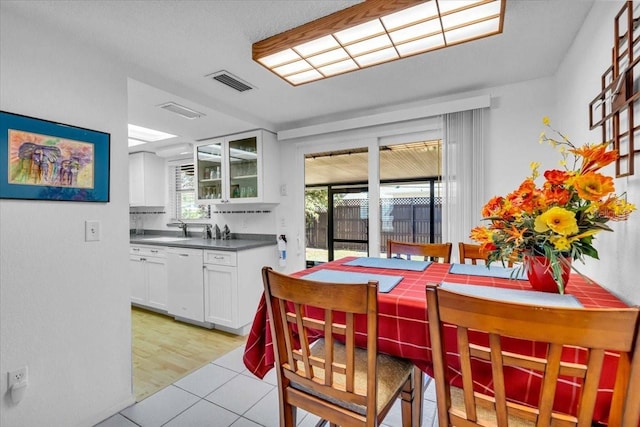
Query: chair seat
<point x="485" y="416"/>
<point x="392" y="374"/>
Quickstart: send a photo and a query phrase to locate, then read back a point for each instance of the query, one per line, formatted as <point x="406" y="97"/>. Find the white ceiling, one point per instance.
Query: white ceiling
<point x="170" y="46"/>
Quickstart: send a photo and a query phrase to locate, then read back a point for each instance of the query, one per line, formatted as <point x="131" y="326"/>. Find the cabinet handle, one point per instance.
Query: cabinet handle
<point x="143" y="259"/>
<point x="218" y="257"/>
<point x="183" y="255"/>
<point x="154" y="251"/>
<point x="135" y="249"/>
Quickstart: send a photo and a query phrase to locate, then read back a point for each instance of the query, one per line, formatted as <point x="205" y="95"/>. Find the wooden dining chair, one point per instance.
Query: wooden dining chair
<point x="595" y="330"/>
<point x="440" y="252"/>
<point x="474" y="253"/>
<point x="331" y="377"/>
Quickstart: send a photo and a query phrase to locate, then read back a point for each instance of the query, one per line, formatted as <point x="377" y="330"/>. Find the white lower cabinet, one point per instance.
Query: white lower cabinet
<point x="233" y="286"/>
<point x="220" y="288"/>
<point x="209" y="287"/>
<point x="184" y="268"/>
<point x="148" y="276"/>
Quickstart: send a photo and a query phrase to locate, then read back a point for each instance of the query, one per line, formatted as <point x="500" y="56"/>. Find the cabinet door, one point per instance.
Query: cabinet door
<point x="146" y="180"/>
<point x="137" y="279"/>
<point x="210" y="172"/>
<point x="136" y="179"/>
<point x="243" y="156"/>
<point x="157" y="282"/>
<point x="221" y="295"/>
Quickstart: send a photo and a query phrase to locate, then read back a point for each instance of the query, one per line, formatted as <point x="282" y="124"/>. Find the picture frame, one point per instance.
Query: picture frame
<point x="46" y="160"/>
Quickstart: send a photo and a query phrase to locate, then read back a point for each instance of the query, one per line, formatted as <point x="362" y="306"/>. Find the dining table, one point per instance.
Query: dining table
<point x="403" y="328"/>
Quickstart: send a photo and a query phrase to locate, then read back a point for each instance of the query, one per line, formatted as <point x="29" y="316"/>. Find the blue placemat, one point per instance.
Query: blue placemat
<point x="513" y="295"/>
<point x="492" y="271"/>
<point x="390" y="263"/>
<point x="385" y="283"/>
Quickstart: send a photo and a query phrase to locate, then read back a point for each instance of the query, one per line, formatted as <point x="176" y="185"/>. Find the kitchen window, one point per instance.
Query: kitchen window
<point x="182" y="193"/>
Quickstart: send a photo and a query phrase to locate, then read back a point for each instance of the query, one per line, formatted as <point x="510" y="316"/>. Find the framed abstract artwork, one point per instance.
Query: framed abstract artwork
<point x="45" y="160"/>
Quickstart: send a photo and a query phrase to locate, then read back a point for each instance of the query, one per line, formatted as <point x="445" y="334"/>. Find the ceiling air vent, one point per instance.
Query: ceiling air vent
<point x="230" y="80"/>
<point x="181" y="110"/>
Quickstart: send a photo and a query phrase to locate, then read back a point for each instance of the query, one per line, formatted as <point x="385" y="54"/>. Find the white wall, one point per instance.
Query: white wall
<point x="64" y="303"/>
<point x="578" y="82"/>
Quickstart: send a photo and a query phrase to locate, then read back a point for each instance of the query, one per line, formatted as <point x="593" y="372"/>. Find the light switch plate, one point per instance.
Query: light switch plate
<point x="91" y="231"/>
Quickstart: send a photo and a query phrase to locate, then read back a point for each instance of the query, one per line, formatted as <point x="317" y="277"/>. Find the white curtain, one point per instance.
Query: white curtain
<point x="463" y="174"/>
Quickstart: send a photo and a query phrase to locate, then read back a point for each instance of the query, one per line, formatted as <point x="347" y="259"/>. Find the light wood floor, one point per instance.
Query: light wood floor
<point x="165" y="350"/>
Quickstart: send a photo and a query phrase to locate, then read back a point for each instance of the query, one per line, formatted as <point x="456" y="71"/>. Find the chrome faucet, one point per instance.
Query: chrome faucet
<point x="183" y="225"/>
<point x="226" y="233"/>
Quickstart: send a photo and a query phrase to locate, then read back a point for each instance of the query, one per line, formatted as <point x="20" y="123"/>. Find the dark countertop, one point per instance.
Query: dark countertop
<point x="233" y="245"/>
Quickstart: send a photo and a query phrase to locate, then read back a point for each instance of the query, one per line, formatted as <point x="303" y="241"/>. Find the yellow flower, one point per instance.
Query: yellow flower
<point x="534" y="169"/>
<point x="558" y="220"/>
<point x="546" y="121"/>
<point x="561" y="243"/>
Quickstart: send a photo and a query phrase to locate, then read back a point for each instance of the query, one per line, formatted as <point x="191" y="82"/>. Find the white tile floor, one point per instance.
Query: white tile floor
<point x="225" y="394"/>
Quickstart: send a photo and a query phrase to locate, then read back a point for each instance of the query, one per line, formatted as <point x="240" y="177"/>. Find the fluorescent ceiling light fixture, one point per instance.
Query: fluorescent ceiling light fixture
<point x="146" y="134"/>
<point x="375" y="32"/>
<point x="181" y="110"/>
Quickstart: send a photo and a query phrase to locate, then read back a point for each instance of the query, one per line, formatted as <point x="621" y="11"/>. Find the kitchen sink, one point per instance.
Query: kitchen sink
<point x="166" y="239"/>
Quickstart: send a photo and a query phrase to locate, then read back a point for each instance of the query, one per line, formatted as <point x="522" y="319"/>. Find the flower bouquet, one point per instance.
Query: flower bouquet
<point x="559" y="219"/>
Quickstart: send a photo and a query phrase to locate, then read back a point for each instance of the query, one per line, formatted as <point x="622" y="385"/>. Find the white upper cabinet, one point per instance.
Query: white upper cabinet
<point x="242" y="168"/>
<point x="146" y="180"/>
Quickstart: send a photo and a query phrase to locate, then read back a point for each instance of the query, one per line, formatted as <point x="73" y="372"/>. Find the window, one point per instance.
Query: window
<point x="183" y="194"/>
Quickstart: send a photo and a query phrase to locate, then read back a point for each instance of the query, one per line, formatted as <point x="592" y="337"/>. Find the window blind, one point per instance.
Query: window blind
<point x="182" y="192"/>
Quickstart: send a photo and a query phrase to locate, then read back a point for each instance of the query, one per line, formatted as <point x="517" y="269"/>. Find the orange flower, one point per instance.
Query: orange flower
<point x="554" y="195"/>
<point x="556" y="177"/>
<point x="594" y="157"/>
<point x="481" y="234"/>
<point x="593" y="186"/>
<point x="515" y="235"/>
<point x="526" y="197"/>
<point x="493" y="207"/>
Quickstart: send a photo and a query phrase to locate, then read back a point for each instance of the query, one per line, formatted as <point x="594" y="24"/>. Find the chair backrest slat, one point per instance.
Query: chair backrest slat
<point x="592" y="331"/>
<point x="440" y="252"/>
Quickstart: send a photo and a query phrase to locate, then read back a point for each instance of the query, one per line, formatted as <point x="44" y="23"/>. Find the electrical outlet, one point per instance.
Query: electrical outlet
<point x="19" y="377"/>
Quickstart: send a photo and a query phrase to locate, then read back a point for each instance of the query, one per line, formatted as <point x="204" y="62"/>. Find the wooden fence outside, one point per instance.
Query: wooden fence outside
<point x="404" y="219"/>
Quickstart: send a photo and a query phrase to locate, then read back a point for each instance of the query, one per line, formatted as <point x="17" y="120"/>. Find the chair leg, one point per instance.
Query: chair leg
<point x="287" y="415"/>
<point x="418" y="397"/>
<point x="412" y="400"/>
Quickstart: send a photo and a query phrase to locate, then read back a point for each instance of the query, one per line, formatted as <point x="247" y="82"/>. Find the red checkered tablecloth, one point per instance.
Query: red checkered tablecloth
<point x="403" y="332"/>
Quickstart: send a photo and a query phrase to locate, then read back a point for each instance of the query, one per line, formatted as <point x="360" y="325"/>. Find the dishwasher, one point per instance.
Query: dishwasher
<point x="185" y="284"/>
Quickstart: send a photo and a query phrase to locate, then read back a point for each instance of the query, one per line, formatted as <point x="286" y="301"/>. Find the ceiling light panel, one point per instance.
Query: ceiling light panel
<point x="374" y="32"/>
<point x="146" y="134"/>
<point x="422" y="12"/>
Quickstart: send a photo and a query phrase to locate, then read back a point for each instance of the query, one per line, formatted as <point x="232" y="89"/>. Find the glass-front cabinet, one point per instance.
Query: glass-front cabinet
<point x="239" y="168"/>
<point x="210" y="170"/>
